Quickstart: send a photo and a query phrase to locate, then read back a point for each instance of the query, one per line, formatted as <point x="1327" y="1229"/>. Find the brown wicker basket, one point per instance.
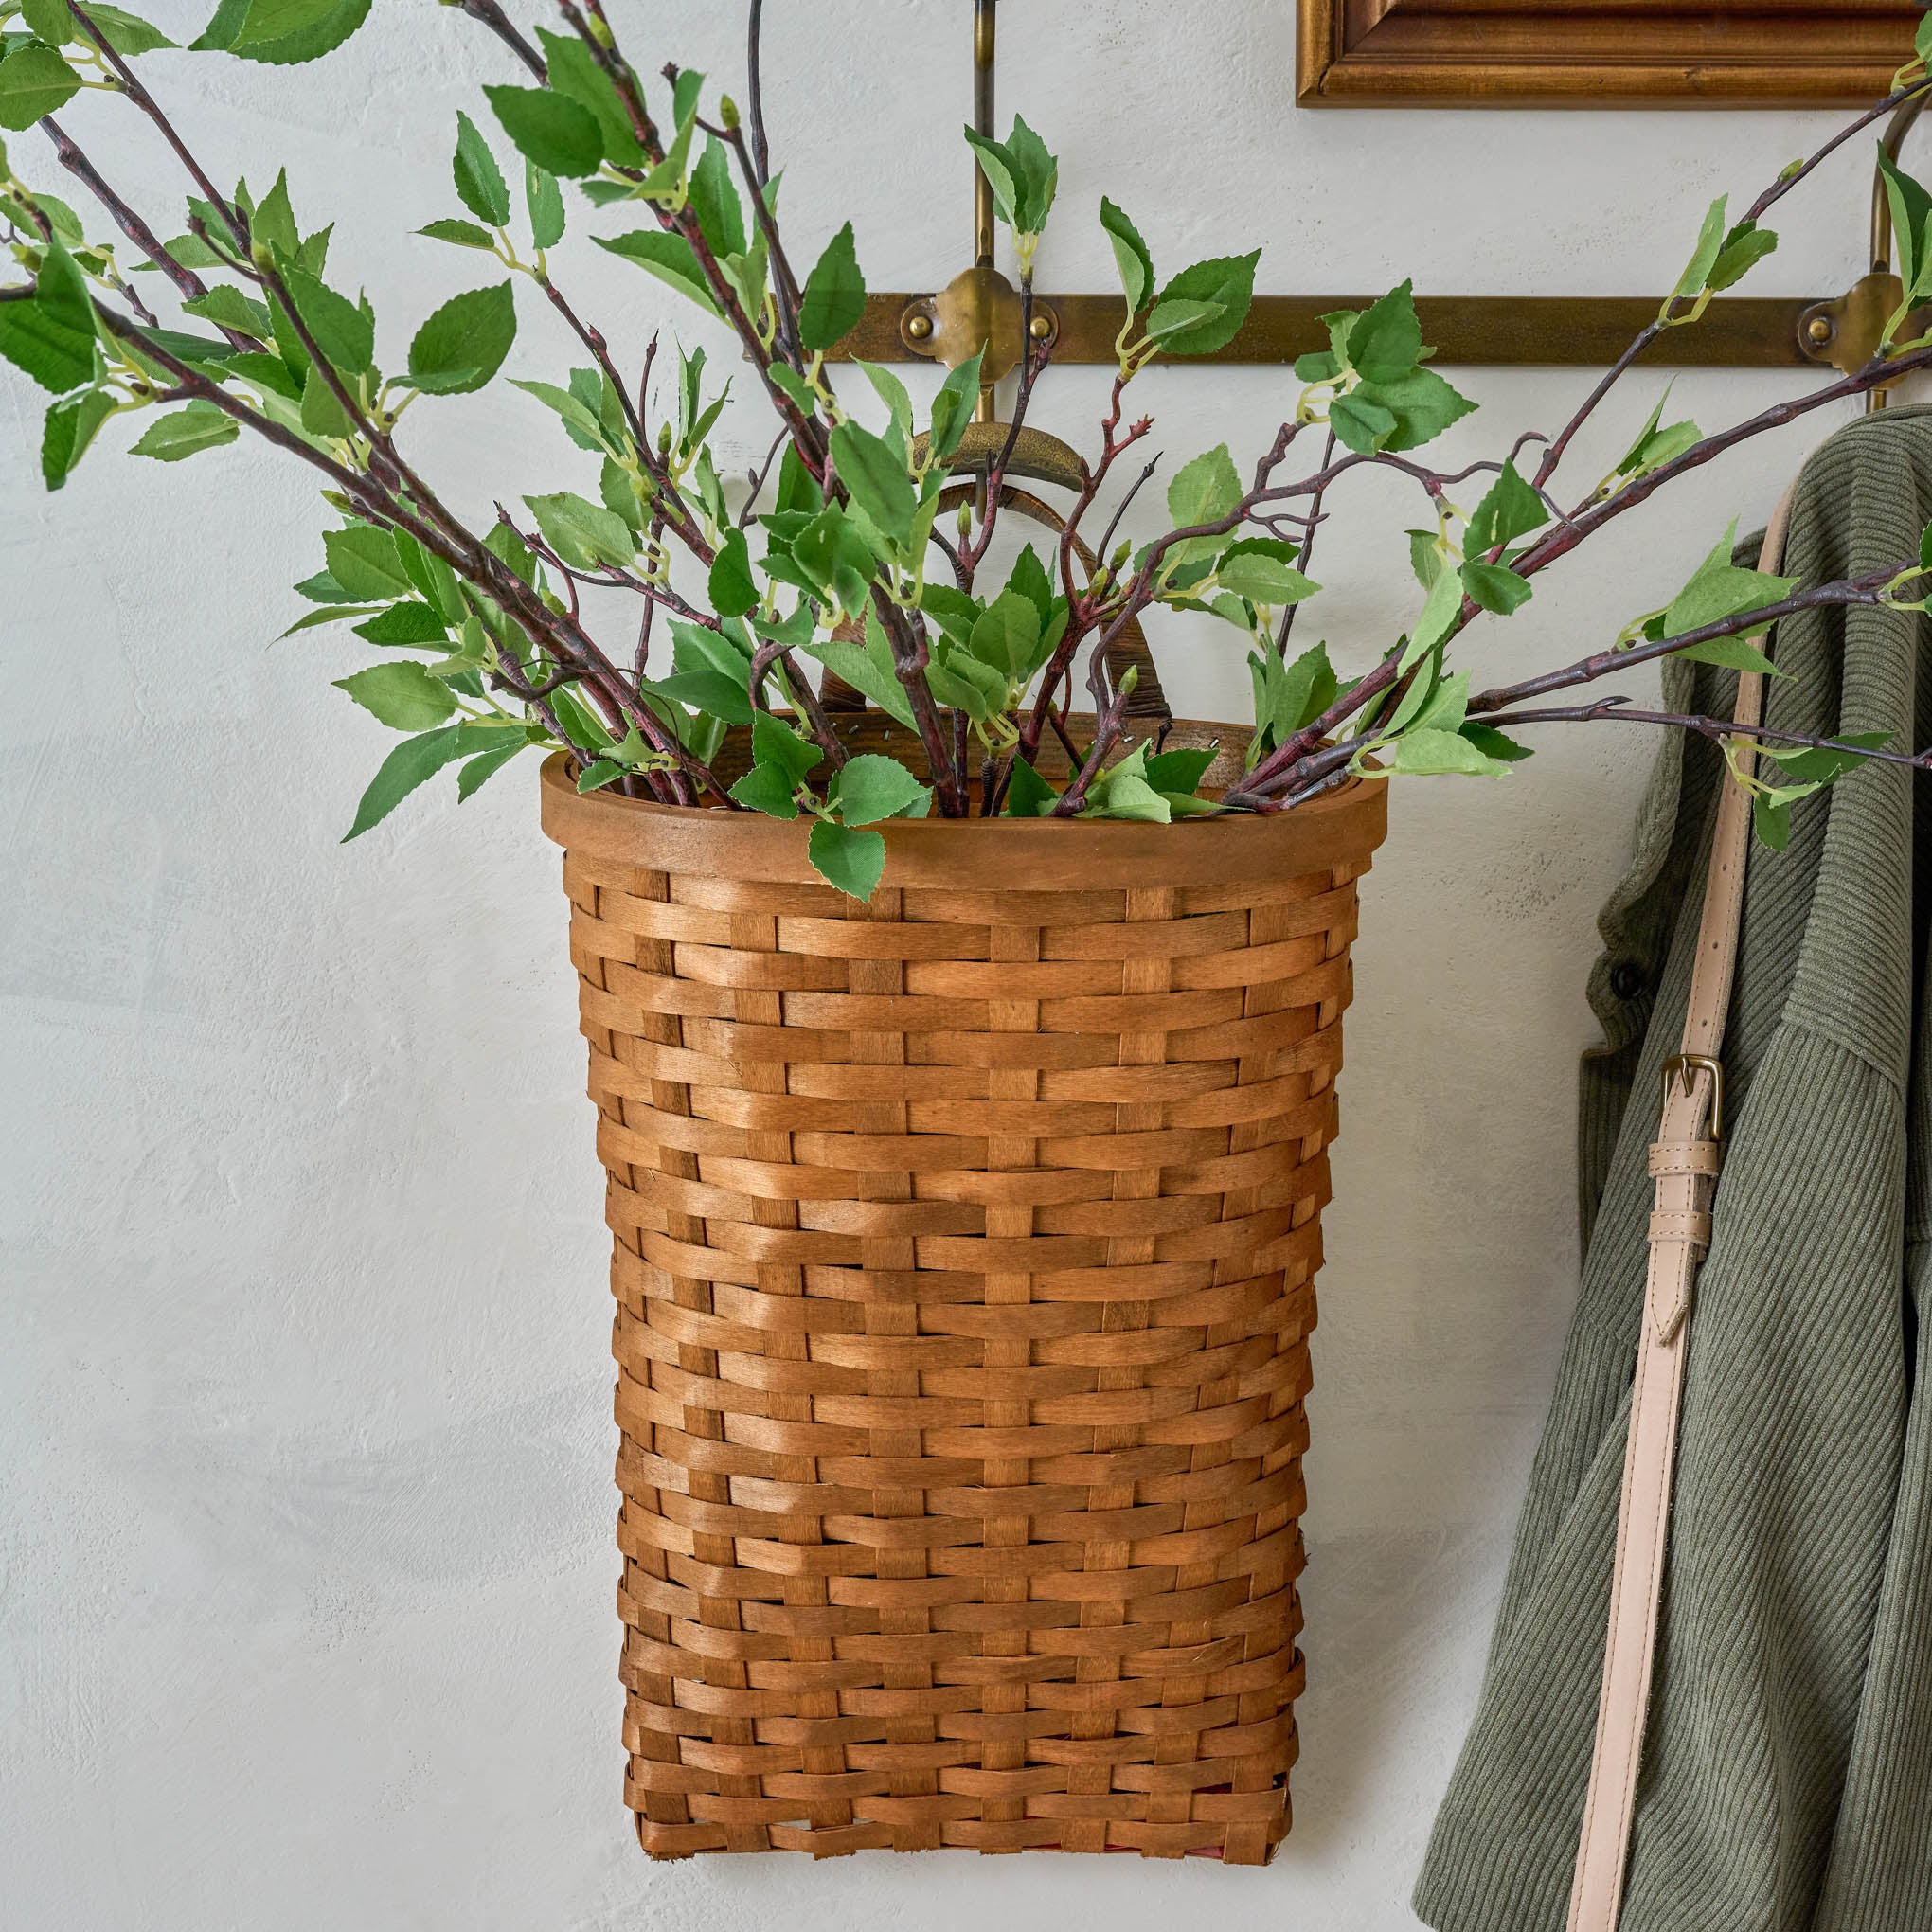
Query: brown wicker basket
<point x="965" y="1257"/>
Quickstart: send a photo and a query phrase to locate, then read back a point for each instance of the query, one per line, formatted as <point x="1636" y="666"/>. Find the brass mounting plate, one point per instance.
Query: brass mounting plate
<point x="1468" y="330"/>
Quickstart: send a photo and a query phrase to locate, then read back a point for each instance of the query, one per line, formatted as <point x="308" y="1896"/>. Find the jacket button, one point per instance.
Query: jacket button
<point x="1626" y="979"/>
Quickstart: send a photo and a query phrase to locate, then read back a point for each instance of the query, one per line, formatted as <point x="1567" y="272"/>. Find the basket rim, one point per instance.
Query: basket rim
<point x="1007" y="855"/>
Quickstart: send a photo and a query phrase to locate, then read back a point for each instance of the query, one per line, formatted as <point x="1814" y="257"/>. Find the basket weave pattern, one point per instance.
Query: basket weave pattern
<point x="965" y="1247"/>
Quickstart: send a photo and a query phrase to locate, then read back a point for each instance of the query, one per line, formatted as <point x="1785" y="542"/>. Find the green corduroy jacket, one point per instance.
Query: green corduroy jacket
<point x="1787" y="1774"/>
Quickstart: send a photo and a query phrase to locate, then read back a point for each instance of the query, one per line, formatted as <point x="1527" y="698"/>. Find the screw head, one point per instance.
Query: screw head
<point x="918" y="327"/>
<point x="1041" y="327"/>
<point x="1820" y="330"/>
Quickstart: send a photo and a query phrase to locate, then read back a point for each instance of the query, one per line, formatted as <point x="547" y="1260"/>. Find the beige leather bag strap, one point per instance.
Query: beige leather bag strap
<point x="1684" y="1161"/>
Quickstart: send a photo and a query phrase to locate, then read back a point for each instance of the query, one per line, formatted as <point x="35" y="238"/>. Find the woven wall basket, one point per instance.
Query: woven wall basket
<point x="965" y="1256"/>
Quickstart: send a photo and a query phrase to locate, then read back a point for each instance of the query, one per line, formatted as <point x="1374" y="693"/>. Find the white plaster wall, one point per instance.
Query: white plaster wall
<point x="307" y="1572"/>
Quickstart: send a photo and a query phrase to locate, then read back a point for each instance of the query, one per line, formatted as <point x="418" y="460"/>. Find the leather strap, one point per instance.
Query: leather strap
<point x="1684" y="1161"/>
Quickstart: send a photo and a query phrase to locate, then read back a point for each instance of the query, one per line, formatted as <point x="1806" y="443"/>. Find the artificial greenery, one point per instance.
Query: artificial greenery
<point x="833" y="553"/>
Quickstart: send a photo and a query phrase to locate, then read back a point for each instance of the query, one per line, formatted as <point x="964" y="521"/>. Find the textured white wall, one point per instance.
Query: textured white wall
<point x="304" y="1442"/>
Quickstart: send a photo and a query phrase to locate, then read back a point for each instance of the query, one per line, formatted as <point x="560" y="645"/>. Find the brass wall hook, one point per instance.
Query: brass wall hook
<point x="1846" y="332"/>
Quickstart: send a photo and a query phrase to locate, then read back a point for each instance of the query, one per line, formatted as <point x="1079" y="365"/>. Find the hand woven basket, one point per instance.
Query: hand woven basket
<point x="965" y="1256"/>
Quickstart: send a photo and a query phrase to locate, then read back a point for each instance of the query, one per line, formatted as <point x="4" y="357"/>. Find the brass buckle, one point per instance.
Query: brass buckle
<point x="1684" y="1068"/>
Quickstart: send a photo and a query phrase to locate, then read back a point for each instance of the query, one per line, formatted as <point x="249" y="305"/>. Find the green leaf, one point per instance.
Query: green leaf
<point x="1431" y="753"/>
<point x="583" y="534"/>
<point x="1302" y="691"/>
<point x="724" y="648"/>
<point x="1385" y="340"/>
<point x="34" y="81"/>
<point x="408" y="622"/>
<point x="1445" y="708"/>
<point x="953" y="407"/>
<point x="871" y="787"/>
<point x="834" y="558"/>
<point x="463" y="344"/>
<point x="869" y="672"/>
<point x="126" y="34"/>
<point x="270" y="19"/>
<point x="282" y="32"/>
<point x="1028" y="795"/>
<point x="329" y="613"/>
<point x="479" y="180"/>
<point x="323" y="589"/>
<point x="364" y="562"/>
<point x="1036" y="175"/>
<point x="228" y="307"/>
<point x="1168" y="319"/>
<point x="583" y="421"/>
<point x="70" y="426"/>
<point x="1654" y="446"/>
<point x="1912" y="213"/>
<point x="344" y="331"/>
<point x="876" y="478"/>
<point x="49" y="20"/>
<point x="1006" y="636"/>
<point x="1719" y="589"/>
<point x="459" y="234"/>
<point x="891" y="392"/>
<point x="669" y="258"/>
<point x="1180" y="770"/>
<point x="573" y="71"/>
<point x="434" y="579"/>
<point x="1227" y="281"/>
<point x="792" y="385"/>
<point x="480" y="771"/>
<point x="1494" y="587"/>
<point x="733" y="589"/>
<point x="1361" y="424"/>
<point x="1206" y="491"/>
<point x="779" y="746"/>
<point x="711" y="692"/>
<point x="40" y="337"/>
<point x="834" y="296"/>
<point x="1425" y="556"/>
<point x="185" y="432"/>
<point x="597" y="774"/>
<point x="1510" y="508"/>
<point x="1250" y="571"/>
<point x="766" y="788"/>
<point x="1440" y="612"/>
<point x="1130" y="257"/>
<point x="714" y="199"/>
<point x="1494" y="744"/>
<point x="1731" y="653"/>
<point x="1704" y="257"/>
<point x="555" y="131"/>
<point x="1745" y="246"/>
<point x="1771" y="820"/>
<point x="1125" y="794"/>
<point x="411" y="761"/>
<point x="1423" y="404"/>
<point x="1001" y="173"/>
<point x="545" y="200"/>
<point x="268" y="371"/>
<point x="852" y="861"/>
<point x="400" y="694"/>
<point x="685" y="93"/>
<point x="272" y="220"/>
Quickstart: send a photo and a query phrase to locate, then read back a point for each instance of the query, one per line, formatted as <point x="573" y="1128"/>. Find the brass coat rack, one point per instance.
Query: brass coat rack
<point x="981" y="307"/>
